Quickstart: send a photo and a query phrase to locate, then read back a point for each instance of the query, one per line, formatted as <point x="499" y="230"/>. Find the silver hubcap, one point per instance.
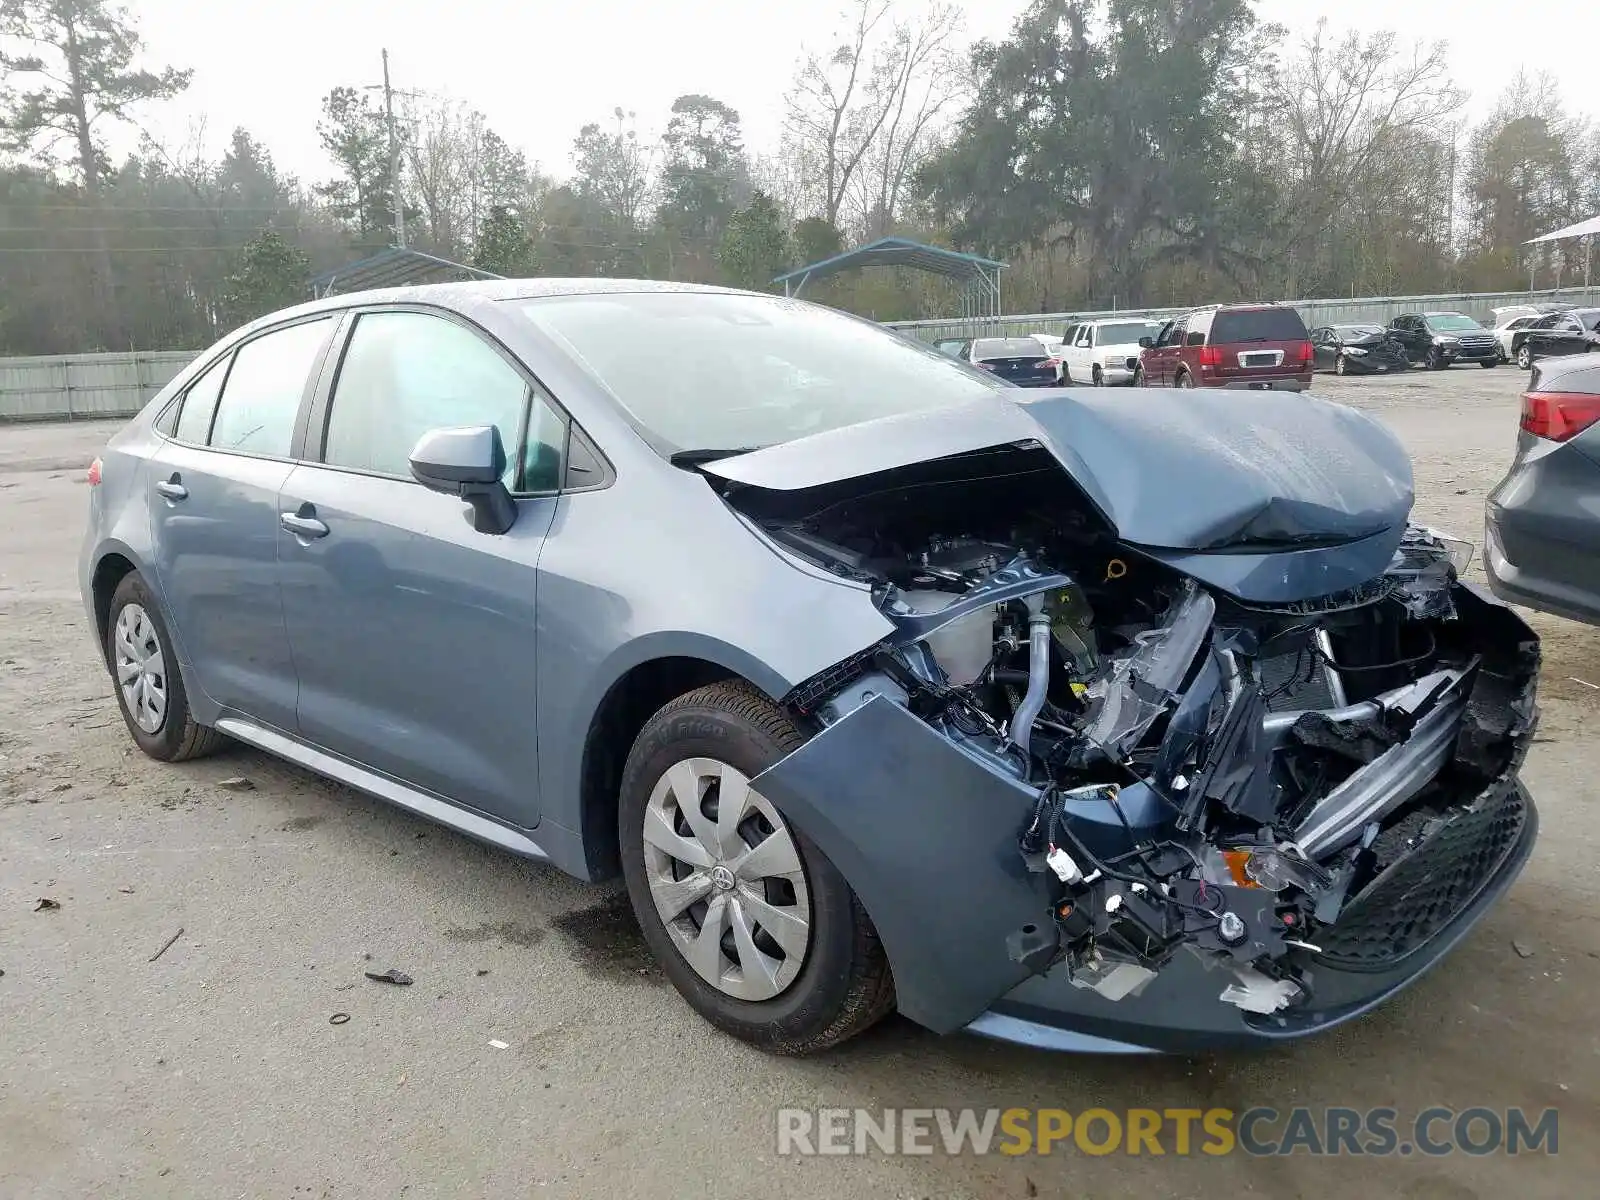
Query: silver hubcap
<point x="726" y="879"/>
<point x="141" y="668"/>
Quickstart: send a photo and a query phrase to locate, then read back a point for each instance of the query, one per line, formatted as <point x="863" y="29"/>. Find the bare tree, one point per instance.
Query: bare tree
<point x="918" y="81"/>
<point x="830" y="119"/>
<point x="1347" y="107"/>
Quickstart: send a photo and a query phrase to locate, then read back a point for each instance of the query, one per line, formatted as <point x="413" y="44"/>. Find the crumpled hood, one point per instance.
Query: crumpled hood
<point x="1190" y="469"/>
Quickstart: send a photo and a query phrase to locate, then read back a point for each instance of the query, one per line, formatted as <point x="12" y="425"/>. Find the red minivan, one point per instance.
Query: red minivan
<point x="1261" y="347"/>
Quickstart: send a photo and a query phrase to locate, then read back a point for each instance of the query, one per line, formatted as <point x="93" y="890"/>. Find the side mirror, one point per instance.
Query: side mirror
<point x="467" y="462"/>
<point x="1147" y="341"/>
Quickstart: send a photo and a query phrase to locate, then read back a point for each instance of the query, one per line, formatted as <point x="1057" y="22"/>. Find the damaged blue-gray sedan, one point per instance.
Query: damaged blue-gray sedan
<point x="1117" y="721"/>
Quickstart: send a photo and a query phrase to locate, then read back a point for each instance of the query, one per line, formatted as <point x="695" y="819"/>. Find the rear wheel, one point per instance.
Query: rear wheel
<point x="1525" y="357"/>
<point x="1184" y="380"/>
<point x="750" y="921"/>
<point x="1339" y="367"/>
<point x="149" y="684"/>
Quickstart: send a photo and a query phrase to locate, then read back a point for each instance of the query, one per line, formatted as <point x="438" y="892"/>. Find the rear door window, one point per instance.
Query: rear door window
<point x="200" y="404"/>
<point x="1257" y="325"/>
<point x="261" y="398"/>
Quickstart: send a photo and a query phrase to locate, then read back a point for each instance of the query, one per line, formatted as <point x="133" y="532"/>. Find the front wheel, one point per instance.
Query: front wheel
<point x="1138" y="377"/>
<point x="753" y="925"/>
<point x="1435" y="360"/>
<point x="1489" y="362"/>
<point x="1525" y="357"/>
<point x="149" y="684"/>
<point x="1098" y="378"/>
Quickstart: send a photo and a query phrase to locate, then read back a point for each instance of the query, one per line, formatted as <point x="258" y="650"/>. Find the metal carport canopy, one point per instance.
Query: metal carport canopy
<point x="979" y="277"/>
<point x="1581" y="229"/>
<point x="393" y="267"/>
<point x="893" y="252"/>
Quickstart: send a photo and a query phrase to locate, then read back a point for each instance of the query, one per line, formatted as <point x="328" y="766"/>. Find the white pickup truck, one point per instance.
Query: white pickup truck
<point x="1104" y="353"/>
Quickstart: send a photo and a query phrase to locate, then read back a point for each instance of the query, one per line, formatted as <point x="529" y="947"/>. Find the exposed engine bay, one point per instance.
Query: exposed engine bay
<point x="1249" y="782"/>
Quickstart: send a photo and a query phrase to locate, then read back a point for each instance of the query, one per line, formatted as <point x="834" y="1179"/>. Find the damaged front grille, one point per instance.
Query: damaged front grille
<point x="1412" y="901"/>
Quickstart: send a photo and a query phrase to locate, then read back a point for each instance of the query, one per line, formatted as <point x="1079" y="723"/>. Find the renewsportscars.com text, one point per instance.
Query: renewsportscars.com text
<point x="1153" y="1132"/>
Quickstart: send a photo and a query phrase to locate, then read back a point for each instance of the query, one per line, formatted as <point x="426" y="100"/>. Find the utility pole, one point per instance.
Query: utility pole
<point x="394" y="157"/>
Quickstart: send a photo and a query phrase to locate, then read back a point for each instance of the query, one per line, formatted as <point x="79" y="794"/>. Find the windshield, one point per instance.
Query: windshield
<point x="1126" y="333"/>
<point x="1025" y="347"/>
<point x="713" y="371"/>
<point x="1447" y="322"/>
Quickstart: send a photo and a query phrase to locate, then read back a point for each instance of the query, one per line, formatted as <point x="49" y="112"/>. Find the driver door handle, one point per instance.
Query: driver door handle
<point x="306" y="527"/>
<point x="172" y="489"/>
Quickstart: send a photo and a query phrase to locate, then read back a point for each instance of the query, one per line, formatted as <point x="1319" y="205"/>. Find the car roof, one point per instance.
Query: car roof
<point x="455" y="295"/>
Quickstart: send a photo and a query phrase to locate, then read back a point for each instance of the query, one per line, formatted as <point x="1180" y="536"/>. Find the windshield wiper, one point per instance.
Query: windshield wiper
<point x="697" y="458"/>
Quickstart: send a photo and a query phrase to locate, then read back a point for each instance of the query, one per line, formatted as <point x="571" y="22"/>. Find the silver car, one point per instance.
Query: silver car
<point x="1139" y="722"/>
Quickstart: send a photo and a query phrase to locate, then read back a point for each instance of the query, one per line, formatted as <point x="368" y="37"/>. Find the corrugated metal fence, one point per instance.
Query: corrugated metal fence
<point x="84" y="386"/>
<point x="1379" y="309"/>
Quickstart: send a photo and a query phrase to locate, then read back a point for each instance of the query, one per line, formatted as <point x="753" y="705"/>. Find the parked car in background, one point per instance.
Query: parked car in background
<point x="1557" y="334"/>
<point x="1053" y="346"/>
<point x="1542" y="535"/>
<point x="1023" y="361"/>
<point x="1104" y="353"/>
<point x="808" y="633"/>
<point x="1441" y="339"/>
<point x="1505" y="332"/>
<point x="1357" y="350"/>
<point x="1262" y="347"/>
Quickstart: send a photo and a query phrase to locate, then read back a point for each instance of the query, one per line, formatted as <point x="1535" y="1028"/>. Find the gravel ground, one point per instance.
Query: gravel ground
<point x="214" y="1070"/>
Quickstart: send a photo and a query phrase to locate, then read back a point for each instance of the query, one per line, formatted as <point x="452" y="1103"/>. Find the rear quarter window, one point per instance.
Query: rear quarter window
<point x="1257" y="325"/>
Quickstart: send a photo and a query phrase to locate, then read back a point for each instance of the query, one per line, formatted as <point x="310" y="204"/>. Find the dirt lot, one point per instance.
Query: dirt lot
<point x="214" y="1070"/>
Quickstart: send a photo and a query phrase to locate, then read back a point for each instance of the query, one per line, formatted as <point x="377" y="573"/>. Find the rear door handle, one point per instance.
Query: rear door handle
<point x="306" y="527"/>
<point x="172" y="489"/>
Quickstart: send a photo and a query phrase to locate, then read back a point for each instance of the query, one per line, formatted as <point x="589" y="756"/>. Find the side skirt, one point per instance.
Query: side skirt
<point x="433" y="807"/>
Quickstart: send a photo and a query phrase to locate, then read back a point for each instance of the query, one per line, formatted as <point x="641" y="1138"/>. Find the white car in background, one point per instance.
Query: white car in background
<point x="1104" y="353"/>
<point x="1054" y="347"/>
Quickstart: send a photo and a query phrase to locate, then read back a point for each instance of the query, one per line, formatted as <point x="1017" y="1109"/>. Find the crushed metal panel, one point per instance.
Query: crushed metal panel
<point x="927" y="837"/>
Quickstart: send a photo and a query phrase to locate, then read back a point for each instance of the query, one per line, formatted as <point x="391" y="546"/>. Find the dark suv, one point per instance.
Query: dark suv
<point x="1438" y="339"/>
<point x="1256" y="346"/>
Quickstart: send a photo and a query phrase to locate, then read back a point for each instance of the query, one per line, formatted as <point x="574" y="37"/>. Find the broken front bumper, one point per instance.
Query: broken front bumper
<point x="926" y="833"/>
<point x="1406" y="921"/>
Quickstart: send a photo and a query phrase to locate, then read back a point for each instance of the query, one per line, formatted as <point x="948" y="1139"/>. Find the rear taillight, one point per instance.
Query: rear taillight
<point x="1306" y="351"/>
<point x="94" y="473"/>
<point x="1051" y="363"/>
<point x="1559" y="415"/>
<point x="1210" y="356"/>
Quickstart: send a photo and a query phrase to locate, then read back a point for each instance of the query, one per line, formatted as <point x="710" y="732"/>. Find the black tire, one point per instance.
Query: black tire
<point x="1525" y="357"/>
<point x="179" y="736"/>
<point x="1138" y="377"/>
<point x="1098" y="379"/>
<point x="1489" y="362"/>
<point x="1339" y="367"/>
<point x="1435" y="361"/>
<point x="844" y="985"/>
<point x="1183" y="380"/>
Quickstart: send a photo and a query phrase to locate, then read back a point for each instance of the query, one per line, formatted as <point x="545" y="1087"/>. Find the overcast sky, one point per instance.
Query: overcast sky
<point x="539" y="70"/>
